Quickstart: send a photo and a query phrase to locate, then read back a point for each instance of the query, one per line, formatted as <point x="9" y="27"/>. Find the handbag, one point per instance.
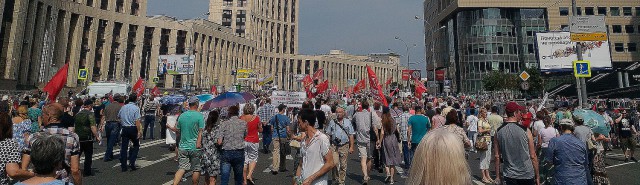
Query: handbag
<point x="482" y="144"/>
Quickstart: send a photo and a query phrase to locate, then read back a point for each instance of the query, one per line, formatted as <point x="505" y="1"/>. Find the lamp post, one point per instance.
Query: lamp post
<point x="433" y="58"/>
<point x="408" y="55"/>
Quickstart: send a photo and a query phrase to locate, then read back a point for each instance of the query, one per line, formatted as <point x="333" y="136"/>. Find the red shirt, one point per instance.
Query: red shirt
<point x="252" y="131"/>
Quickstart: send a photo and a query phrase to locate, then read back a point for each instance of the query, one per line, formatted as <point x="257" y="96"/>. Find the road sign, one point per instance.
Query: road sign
<point x="447" y="84"/>
<point x="581" y="68"/>
<point x="416" y="74"/>
<point x="524" y="85"/>
<point x="524" y="76"/>
<point x="83" y="74"/>
<point x="575" y="37"/>
<point x="587" y="24"/>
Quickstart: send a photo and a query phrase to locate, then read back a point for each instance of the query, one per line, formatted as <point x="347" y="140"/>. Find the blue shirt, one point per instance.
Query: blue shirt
<point x="335" y="131"/>
<point x="129" y="114"/>
<point x="570" y="159"/>
<point x="283" y="123"/>
<point x="419" y="126"/>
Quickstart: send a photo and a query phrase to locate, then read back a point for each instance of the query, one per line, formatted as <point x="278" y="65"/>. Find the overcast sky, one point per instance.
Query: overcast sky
<point x="355" y="26"/>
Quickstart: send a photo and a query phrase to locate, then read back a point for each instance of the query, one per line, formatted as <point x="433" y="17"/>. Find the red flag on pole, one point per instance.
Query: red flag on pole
<point x="307" y="81"/>
<point x="155" y="91"/>
<point x="359" y="86"/>
<point x="57" y="82"/>
<point x="420" y="88"/>
<point x="138" y="88"/>
<point x="214" y="89"/>
<point x="322" y="87"/>
<point x="375" y="86"/>
<point x="318" y="74"/>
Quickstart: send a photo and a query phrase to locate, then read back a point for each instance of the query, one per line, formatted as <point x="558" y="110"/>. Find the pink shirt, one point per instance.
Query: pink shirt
<point x="437" y="121"/>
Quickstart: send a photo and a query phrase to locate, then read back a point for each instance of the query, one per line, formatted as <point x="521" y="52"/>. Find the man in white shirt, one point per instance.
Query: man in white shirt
<point x="472" y="126"/>
<point x="317" y="158"/>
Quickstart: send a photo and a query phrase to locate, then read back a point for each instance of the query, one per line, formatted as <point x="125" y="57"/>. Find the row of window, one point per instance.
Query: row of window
<point x="613" y="11"/>
<point x="631" y="47"/>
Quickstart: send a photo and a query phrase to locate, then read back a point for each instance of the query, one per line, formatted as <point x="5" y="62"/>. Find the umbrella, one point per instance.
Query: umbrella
<point x="205" y="97"/>
<point x="594" y="121"/>
<point x="224" y="100"/>
<point x="247" y="96"/>
<point x="175" y="99"/>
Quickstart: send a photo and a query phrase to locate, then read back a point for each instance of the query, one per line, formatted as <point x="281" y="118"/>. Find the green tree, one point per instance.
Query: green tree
<point x="535" y="81"/>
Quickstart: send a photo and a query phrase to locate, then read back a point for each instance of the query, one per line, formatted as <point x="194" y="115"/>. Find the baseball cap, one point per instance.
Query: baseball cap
<point x="513" y="106"/>
<point x="566" y="122"/>
<point x="194" y="99"/>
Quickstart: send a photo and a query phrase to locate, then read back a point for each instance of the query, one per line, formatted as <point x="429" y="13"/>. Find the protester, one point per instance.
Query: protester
<point x="266" y="112"/>
<point x="280" y="126"/>
<point x="10" y="158"/>
<point x="599" y="171"/>
<point x="378" y="154"/>
<point x="51" y="115"/>
<point x="626" y="134"/>
<point x="85" y="127"/>
<point x="438" y="119"/>
<point x="570" y="156"/>
<point x="407" y="153"/>
<point x="231" y="137"/>
<point x="210" y="149"/>
<point x="472" y="127"/>
<point x="251" y="142"/>
<point x="320" y="116"/>
<point x="21" y="127"/>
<point x="317" y="157"/>
<point x="545" y="135"/>
<point x="514" y="148"/>
<point x="484" y="135"/>
<point x="392" y="156"/>
<point x="112" y="125"/>
<point x="441" y="160"/>
<point x="341" y="133"/>
<point x="48" y="156"/>
<point x="131" y="131"/>
<point x="452" y="126"/>
<point x="495" y="120"/>
<point x="190" y="125"/>
<point x="366" y="122"/>
<point x="150" y="113"/>
<point x="34" y="115"/>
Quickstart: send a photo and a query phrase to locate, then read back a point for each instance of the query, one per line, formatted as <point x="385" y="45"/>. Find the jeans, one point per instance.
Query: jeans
<point x="129" y="134"/>
<point x="231" y="159"/>
<point x="472" y="137"/>
<point x="86" y="147"/>
<point x="407" y="155"/>
<point x="112" y="129"/>
<point x="149" y="122"/>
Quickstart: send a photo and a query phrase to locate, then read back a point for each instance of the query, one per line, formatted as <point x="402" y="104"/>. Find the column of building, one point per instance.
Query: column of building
<point x="173" y="39"/>
<point x="76" y="26"/>
<point x="136" y="59"/>
<point x="155" y="52"/>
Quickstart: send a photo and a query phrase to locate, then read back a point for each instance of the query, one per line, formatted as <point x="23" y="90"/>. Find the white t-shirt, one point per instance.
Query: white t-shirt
<point x="546" y="134"/>
<point x="326" y="109"/>
<point x="313" y="157"/>
<point x="537" y="125"/>
<point x="473" y="123"/>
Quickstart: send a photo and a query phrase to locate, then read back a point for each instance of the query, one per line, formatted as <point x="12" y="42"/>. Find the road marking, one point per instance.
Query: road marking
<point x="117" y="151"/>
<point x="622" y="164"/>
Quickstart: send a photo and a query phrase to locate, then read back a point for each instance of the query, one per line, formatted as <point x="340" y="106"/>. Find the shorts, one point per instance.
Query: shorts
<point x="365" y="150"/>
<point x="628" y="143"/>
<point x="190" y="160"/>
<point x="250" y="152"/>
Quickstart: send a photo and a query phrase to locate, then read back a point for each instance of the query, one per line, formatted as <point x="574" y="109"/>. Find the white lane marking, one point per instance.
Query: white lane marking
<point x="621" y="164"/>
<point x="117" y="151"/>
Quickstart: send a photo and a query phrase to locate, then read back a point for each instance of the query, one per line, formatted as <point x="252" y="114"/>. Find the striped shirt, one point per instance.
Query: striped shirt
<point x="150" y="106"/>
<point x="266" y="112"/>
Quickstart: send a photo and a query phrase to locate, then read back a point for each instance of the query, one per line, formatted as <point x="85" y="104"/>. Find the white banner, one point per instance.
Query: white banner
<point x="176" y="64"/>
<point x="556" y="52"/>
<point x="290" y="99"/>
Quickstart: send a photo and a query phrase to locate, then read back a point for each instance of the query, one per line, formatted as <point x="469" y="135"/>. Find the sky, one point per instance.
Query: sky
<point x="356" y="26"/>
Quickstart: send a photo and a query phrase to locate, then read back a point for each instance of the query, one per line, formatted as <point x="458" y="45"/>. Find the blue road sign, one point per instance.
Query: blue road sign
<point x="581" y="68"/>
<point x="83" y="74"/>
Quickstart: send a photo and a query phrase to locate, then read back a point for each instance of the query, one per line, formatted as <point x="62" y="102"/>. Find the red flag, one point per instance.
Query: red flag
<point x="57" y="82"/>
<point x="420" y="88"/>
<point x="155" y="91"/>
<point x="307" y="81"/>
<point x="359" y="86"/>
<point x="214" y="89"/>
<point x="334" y="89"/>
<point x="322" y="87"/>
<point x="318" y="74"/>
<point x="309" y="94"/>
<point x="138" y="88"/>
<point x="388" y="81"/>
<point x="375" y="86"/>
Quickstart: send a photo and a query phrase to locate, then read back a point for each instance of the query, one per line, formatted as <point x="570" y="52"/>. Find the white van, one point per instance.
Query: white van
<point x="99" y="89"/>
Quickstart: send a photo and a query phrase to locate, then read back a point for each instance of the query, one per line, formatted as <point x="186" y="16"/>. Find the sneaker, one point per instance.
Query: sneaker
<point x="634" y="159"/>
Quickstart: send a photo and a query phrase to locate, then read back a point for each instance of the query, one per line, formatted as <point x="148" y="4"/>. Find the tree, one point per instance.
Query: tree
<point x="535" y="80"/>
<point x="497" y="81"/>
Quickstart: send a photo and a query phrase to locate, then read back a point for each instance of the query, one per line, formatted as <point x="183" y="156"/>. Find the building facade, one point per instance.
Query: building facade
<point x="115" y="40"/>
<point x="478" y="37"/>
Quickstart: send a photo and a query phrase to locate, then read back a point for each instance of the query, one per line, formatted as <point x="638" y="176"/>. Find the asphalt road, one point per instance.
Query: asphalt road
<point x="157" y="167"/>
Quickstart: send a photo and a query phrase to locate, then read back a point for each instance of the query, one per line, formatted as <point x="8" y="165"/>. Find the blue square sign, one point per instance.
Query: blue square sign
<point x="581" y="68"/>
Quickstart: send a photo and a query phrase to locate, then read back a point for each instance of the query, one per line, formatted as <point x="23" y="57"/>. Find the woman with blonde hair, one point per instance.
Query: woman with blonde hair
<point x="21" y="127"/>
<point x="484" y="135"/>
<point x="441" y="161"/>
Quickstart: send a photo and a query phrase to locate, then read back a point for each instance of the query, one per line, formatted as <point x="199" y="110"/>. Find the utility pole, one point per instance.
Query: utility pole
<point x="581" y="84"/>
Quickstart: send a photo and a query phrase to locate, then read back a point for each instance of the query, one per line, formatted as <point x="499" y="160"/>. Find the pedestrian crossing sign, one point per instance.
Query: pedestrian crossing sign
<point x="83" y="74"/>
<point x="581" y="68"/>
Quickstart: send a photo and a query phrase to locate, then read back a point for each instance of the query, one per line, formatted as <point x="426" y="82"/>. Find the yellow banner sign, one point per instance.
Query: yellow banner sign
<point x="576" y="37"/>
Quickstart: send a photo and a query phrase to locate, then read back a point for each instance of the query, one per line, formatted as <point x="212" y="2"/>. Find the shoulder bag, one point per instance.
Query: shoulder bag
<point x="482" y="144"/>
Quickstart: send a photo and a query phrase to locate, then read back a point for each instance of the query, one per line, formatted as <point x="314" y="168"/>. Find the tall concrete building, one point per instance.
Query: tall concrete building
<point x="474" y="37"/>
<point x="115" y="40"/>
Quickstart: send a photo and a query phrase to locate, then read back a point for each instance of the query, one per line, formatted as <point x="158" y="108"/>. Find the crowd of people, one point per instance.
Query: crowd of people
<point x="428" y="139"/>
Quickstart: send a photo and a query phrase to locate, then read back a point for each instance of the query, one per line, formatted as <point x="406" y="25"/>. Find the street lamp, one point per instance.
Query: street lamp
<point x="433" y="58"/>
<point x="408" y="55"/>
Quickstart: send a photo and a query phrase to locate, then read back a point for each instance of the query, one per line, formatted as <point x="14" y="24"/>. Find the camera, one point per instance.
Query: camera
<point x="336" y="141"/>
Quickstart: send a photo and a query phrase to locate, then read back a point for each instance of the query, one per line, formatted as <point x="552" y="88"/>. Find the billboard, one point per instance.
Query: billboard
<point x="176" y="64"/>
<point x="556" y="52"/>
<point x="246" y="74"/>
